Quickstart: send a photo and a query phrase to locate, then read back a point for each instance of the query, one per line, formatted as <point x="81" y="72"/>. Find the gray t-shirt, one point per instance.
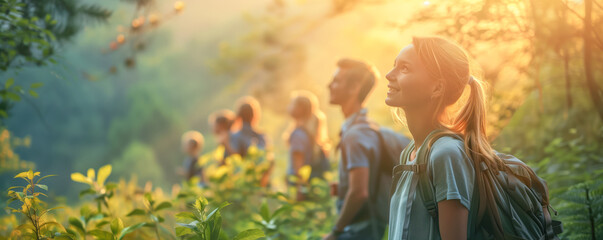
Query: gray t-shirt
<point x="246" y="137"/>
<point x="452" y="176"/>
<point x="358" y="146"/>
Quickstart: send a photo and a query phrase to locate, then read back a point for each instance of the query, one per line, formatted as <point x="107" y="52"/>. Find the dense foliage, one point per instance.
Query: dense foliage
<point x="234" y="205"/>
<point x="126" y="104"/>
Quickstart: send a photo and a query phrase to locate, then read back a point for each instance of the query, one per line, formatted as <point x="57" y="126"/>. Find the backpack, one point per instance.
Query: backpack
<point x="320" y="162"/>
<point x="391" y="144"/>
<point x="515" y="188"/>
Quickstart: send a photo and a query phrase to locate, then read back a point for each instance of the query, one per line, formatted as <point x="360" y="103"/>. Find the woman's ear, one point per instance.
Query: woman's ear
<point x="438" y="89"/>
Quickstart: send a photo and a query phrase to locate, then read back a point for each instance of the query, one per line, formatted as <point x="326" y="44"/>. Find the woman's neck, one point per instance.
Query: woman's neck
<point x="420" y="124"/>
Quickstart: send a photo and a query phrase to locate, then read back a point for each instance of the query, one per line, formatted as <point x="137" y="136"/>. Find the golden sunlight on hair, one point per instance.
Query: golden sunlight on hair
<point x="462" y="107"/>
<point x="192" y="136"/>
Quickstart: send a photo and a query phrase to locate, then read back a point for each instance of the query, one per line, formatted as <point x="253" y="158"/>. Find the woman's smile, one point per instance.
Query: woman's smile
<point x="392" y="90"/>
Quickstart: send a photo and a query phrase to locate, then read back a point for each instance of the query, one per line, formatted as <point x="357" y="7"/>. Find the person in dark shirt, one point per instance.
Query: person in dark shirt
<point x="192" y="144"/>
<point x="221" y="124"/>
<point x="248" y="116"/>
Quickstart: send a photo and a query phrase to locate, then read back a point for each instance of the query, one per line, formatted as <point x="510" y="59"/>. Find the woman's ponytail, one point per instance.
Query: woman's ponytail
<point x="471" y="122"/>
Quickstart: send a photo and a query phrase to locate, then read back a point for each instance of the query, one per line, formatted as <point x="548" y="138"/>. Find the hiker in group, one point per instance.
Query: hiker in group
<point x="307" y="138"/>
<point x="192" y="144"/>
<point x="351" y="84"/>
<point x="438" y="192"/>
<point x="248" y="117"/>
<point x="221" y="124"/>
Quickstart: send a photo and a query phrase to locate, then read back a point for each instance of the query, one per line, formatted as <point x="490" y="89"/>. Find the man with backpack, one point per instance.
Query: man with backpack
<point x="366" y="162"/>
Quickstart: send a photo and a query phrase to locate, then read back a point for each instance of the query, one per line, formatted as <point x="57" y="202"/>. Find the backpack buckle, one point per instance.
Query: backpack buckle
<point x="431" y="208"/>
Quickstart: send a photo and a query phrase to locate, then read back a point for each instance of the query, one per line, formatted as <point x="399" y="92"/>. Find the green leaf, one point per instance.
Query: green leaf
<point x="136" y="211"/>
<point x="281" y="210"/>
<point x="130" y="229"/>
<point x="40" y="179"/>
<point x="100" y="234"/>
<point x="200" y="203"/>
<point x="116" y="226"/>
<point x="52" y="223"/>
<point x="13" y="96"/>
<point x="181" y="231"/>
<point x="103" y="174"/>
<point x="163" y="205"/>
<point x="87" y="191"/>
<point x="184" y="216"/>
<point x="250" y="234"/>
<point x="33" y="93"/>
<point x="42" y="186"/>
<point x="15" y="187"/>
<point x="101" y="224"/>
<point x="224" y="204"/>
<point x="36" y="85"/>
<point x="264" y="212"/>
<point x="9" y="82"/>
<point x="216" y="226"/>
<point x="77" y="224"/>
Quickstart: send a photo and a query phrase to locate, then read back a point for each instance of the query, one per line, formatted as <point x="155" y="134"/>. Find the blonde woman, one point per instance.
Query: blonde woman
<point x="307" y="135"/>
<point x="427" y="80"/>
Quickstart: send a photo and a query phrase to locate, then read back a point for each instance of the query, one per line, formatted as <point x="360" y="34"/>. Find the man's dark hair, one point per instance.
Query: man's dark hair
<point x="249" y="109"/>
<point x="246" y="112"/>
<point x="359" y="72"/>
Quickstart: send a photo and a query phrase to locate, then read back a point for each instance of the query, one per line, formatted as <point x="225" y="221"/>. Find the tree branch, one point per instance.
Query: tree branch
<point x="599" y="41"/>
<point x="572" y="10"/>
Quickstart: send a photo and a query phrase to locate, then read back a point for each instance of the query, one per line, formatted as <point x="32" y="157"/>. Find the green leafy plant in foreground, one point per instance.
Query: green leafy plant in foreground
<point x="272" y="223"/>
<point x="97" y="187"/>
<point x="582" y="209"/>
<point x="151" y="210"/>
<point x="199" y="224"/>
<point x="38" y="224"/>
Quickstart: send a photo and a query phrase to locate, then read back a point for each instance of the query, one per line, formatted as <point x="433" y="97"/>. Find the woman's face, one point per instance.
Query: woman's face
<point x="409" y="84"/>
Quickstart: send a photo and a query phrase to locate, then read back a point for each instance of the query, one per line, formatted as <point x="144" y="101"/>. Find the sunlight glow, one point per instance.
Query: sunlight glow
<point x="426" y="3"/>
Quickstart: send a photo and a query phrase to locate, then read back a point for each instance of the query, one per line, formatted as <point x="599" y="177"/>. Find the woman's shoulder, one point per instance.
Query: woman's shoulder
<point x="448" y="147"/>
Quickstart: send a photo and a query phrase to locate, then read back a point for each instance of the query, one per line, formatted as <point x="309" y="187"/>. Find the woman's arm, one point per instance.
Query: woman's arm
<point x="453" y="217"/>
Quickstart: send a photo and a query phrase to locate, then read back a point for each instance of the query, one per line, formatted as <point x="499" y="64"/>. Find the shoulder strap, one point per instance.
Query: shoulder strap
<point x="425" y="189"/>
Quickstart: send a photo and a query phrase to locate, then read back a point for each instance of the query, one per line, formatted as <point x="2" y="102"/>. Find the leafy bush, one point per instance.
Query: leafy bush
<point x="236" y="204"/>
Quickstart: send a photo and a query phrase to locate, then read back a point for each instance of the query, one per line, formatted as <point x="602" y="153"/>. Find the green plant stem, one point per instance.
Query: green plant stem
<point x="157" y="231"/>
<point x="33" y="217"/>
<point x="591" y="218"/>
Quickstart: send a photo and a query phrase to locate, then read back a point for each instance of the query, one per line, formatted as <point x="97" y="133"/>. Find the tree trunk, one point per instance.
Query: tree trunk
<point x="568" y="83"/>
<point x="592" y="86"/>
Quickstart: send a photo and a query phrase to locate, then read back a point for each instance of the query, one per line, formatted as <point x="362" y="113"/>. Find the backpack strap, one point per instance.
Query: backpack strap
<point x="315" y="146"/>
<point x="401" y="167"/>
<point x="425" y="185"/>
